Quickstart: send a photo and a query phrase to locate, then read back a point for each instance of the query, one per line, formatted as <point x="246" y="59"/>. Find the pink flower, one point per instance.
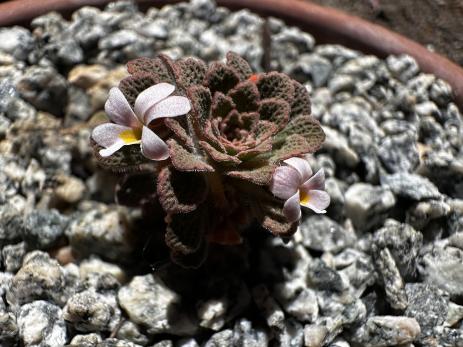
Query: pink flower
<point x="294" y="183"/>
<point x="130" y="127"/>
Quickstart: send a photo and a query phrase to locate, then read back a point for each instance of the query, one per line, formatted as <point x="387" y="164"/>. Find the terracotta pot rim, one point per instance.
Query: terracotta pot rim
<point x="327" y="25"/>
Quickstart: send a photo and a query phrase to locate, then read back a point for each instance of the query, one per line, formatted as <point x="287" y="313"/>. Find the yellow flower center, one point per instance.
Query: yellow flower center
<point x="130" y="136"/>
<point x="304" y="197"/>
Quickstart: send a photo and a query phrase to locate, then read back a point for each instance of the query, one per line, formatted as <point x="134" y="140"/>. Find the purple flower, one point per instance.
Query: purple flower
<point x="294" y="183"/>
<point x="130" y="127"/>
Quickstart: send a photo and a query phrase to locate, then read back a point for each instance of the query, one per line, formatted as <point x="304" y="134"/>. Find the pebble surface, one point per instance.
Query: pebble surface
<point x="383" y="267"/>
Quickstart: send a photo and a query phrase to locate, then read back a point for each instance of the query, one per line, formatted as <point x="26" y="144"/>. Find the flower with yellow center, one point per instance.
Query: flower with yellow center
<point x="295" y="183"/>
<point x="130" y="127"/>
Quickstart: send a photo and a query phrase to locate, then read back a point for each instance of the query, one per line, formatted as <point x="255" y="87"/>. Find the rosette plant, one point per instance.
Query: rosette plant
<point x="213" y="150"/>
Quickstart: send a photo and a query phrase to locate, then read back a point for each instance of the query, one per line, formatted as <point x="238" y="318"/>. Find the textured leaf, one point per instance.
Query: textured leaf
<point x="260" y="176"/>
<point x="263" y="147"/>
<point x="276" y="111"/>
<point x="180" y="192"/>
<point x="307" y="127"/>
<point x="220" y="78"/>
<point x="191" y="72"/>
<point x="200" y="98"/>
<point x="275" y="222"/>
<point x="179" y="127"/>
<point x="153" y="66"/>
<point x="133" y="85"/>
<point x="193" y="260"/>
<point x="301" y="103"/>
<point x="263" y="130"/>
<point x="218" y="156"/>
<point x="221" y="105"/>
<point x="293" y="146"/>
<point x="245" y="96"/>
<point x="183" y="160"/>
<point x="128" y="159"/>
<point x="186" y="231"/>
<point x="276" y="85"/>
<point x="239" y="65"/>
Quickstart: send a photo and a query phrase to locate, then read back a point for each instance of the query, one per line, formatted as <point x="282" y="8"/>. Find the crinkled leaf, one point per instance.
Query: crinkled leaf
<point x="186" y="231"/>
<point x="200" y="98"/>
<point x="301" y="103"/>
<point x="191" y="72"/>
<point x="245" y="96"/>
<point x="275" y="221"/>
<point x="221" y="105"/>
<point x="239" y="65"/>
<point x="133" y="85"/>
<point x="183" y="160"/>
<point x="307" y="127"/>
<point x="128" y="159"/>
<point x="260" y="175"/>
<point x="154" y="66"/>
<point x="180" y="192"/>
<point x="220" y="78"/>
<point x="293" y="146"/>
<point x="218" y="156"/>
<point x="179" y="127"/>
<point x="276" y="85"/>
<point x="276" y="111"/>
<point x="193" y="260"/>
<point x="263" y="129"/>
<point x="263" y="147"/>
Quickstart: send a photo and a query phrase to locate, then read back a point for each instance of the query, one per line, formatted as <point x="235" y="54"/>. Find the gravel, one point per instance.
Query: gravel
<point x="383" y="267"/>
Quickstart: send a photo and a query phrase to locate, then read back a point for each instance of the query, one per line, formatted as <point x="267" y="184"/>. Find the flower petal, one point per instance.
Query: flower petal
<point x="317" y="181"/>
<point x="152" y="146"/>
<point x="118" y="109"/>
<point x="170" y="107"/>
<point x="301" y="165"/>
<point x="151" y="96"/>
<point x="108" y="133"/>
<point x="292" y="208"/>
<point x="317" y="201"/>
<point x="112" y="149"/>
<point x="285" y="182"/>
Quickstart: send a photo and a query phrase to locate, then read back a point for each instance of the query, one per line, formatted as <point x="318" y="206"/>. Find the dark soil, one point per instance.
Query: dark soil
<point x="438" y="23"/>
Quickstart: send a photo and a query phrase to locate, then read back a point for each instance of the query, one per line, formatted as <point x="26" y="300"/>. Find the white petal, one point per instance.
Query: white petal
<point x="108" y="133"/>
<point x="317" y="181"/>
<point x="301" y="165"/>
<point x="285" y="182"/>
<point x="118" y="109"/>
<point x="151" y="96"/>
<point x="112" y="149"/>
<point x="292" y="208"/>
<point x="170" y="107"/>
<point x="318" y="201"/>
<point x="152" y="146"/>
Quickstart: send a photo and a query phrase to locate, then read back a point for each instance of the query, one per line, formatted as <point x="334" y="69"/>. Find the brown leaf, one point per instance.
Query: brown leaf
<point x="245" y="96"/>
<point x="220" y="157"/>
<point x="133" y="85"/>
<point x="307" y="127"/>
<point x="155" y="66"/>
<point x="301" y="103"/>
<point x="239" y="65"/>
<point x="276" y="85"/>
<point x="276" y="111"/>
<point x="260" y="176"/>
<point x="191" y="72"/>
<point x="180" y="192"/>
<point x="183" y="160"/>
<point x="220" y="78"/>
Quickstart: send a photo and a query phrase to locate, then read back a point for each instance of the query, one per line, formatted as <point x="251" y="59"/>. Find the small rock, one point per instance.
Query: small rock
<point x="39" y="278"/>
<point x="111" y="342"/>
<point x="382" y="331"/>
<point x="221" y="339"/>
<point x="325" y="235"/>
<point x="88" y="311"/>
<point x="292" y="334"/>
<point x="118" y="39"/>
<point x="420" y="214"/>
<point x="323" y="277"/>
<point x="16" y="41"/>
<point x="211" y="313"/>
<point x="129" y="331"/>
<point x="70" y="189"/>
<point x="88" y="340"/>
<point x="336" y="144"/>
<point x="399" y="153"/>
<point x="43" y="228"/>
<point x="41" y="324"/>
<point x="245" y="335"/>
<point x="44" y="88"/>
<point x="314" y="335"/>
<point x="268" y="307"/>
<point x="97" y="266"/>
<point x="13" y="256"/>
<point x="443" y="268"/>
<point x="311" y="67"/>
<point x="403" y="67"/>
<point x="149" y="303"/>
<point x="410" y="186"/>
<point x="8" y="328"/>
<point x="103" y="232"/>
<point x="367" y="205"/>
<point x="428" y="305"/>
<point x="86" y="76"/>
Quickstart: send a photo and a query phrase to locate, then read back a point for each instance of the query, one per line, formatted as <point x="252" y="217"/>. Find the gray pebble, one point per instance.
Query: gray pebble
<point x="244" y="334"/>
<point x="41" y="324"/>
<point x="221" y="339"/>
<point x="410" y="186"/>
<point x="43" y="228"/>
<point x="399" y="153"/>
<point x="8" y="329"/>
<point x="13" y="256"/>
<point x="131" y="332"/>
<point x="16" y="41"/>
<point x="367" y="206"/>
<point x="88" y="340"/>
